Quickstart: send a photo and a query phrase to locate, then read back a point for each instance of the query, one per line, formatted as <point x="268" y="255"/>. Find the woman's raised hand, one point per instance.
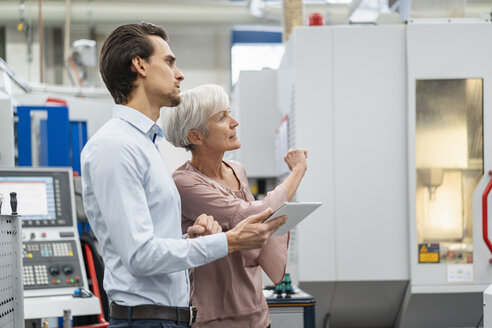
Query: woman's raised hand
<point x="296" y="159"/>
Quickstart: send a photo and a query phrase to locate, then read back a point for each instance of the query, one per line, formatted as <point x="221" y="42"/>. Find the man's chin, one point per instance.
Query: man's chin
<point x="173" y="101"/>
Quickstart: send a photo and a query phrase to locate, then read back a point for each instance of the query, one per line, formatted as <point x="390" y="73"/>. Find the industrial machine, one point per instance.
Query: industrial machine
<point x="291" y="311"/>
<point x="394" y="118"/>
<point x="47" y="125"/>
<point x="257" y="123"/>
<point x="447" y="150"/>
<point x="53" y="267"/>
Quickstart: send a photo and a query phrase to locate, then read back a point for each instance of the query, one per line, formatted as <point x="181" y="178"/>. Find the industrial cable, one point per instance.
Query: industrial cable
<point x="326" y="320"/>
<point x="479" y="321"/>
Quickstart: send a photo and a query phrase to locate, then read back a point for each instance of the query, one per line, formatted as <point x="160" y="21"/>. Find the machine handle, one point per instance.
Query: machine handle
<point x="13" y="202"/>
<point x="485" y="231"/>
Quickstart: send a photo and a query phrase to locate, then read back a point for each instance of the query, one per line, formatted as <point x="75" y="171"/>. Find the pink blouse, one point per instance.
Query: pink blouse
<point x="228" y="291"/>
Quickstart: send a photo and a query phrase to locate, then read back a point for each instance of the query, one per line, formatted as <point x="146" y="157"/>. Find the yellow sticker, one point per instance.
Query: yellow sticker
<point x="428" y="257"/>
<point x="429" y="253"/>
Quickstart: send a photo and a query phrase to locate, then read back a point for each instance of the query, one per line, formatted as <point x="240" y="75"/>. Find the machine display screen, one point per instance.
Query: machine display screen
<point x="44" y="195"/>
<point x="35" y="197"/>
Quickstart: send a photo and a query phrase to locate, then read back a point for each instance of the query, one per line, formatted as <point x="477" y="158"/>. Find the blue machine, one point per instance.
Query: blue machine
<point x="61" y="140"/>
<point x="78" y="135"/>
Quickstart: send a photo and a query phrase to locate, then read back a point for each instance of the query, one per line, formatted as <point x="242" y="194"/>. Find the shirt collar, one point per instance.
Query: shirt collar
<point x="139" y="121"/>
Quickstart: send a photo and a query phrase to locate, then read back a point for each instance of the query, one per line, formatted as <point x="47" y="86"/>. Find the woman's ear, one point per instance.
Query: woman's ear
<point x="195" y="137"/>
<point x="138" y="65"/>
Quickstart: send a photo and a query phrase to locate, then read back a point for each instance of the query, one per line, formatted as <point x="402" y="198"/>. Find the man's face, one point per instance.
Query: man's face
<point x="163" y="76"/>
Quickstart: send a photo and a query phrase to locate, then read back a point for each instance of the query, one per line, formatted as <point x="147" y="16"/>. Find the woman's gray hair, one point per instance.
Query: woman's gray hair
<point x="197" y="106"/>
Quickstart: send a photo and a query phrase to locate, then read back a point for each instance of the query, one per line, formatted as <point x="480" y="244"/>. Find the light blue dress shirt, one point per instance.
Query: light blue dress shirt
<point x="134" y="209"/>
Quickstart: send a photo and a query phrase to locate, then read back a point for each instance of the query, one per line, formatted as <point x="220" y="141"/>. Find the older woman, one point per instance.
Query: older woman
<point x="227" y="292"/>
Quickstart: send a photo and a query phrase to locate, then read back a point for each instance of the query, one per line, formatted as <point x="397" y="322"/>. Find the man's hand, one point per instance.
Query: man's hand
<point x="204" y="225"/>
<point x="252" y="233"/>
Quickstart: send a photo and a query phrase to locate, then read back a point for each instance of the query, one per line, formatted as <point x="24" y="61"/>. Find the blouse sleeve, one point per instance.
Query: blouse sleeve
<point x="273" y="256"/>
<point x="199" y="196"/>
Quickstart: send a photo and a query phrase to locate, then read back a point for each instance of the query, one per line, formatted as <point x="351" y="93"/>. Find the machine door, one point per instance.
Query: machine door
<point x="448" y="71"/>
<point x="449" y="165"/>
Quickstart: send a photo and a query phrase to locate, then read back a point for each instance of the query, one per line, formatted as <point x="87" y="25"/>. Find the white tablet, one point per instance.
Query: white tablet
<point x="296" y="212"/>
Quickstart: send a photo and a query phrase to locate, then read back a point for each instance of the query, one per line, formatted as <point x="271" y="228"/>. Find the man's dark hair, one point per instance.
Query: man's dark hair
<point x="120" y="47"/>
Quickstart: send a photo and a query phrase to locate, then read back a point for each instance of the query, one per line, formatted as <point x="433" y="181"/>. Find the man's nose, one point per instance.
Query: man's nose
<point x="179" y="76"/>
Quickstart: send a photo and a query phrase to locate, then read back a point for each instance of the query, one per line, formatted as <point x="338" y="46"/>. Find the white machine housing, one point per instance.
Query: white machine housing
<point x="258" y="115"/>
<point x="340" y="95"/>
<point x="349" y="92"/>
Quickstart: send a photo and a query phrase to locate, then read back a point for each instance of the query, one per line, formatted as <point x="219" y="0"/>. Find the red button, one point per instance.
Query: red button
<point x="43" y="234"/>
<point x="77" y="278"/>
<point x="68" y="280"/>
<point x="54" y="281"/>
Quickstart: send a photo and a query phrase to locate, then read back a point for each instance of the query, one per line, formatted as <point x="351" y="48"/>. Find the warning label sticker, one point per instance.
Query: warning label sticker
<point x="428" y="253"/>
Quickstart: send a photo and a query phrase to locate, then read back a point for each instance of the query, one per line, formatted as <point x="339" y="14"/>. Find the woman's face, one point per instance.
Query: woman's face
<point x="222" y="132"/>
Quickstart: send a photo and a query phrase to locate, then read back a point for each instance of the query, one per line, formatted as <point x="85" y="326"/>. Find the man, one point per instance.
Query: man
<point x="130" y="198"/>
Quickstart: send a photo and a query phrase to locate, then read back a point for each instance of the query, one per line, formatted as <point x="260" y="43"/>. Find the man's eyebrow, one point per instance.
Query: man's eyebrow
<point x="171" y="57"/>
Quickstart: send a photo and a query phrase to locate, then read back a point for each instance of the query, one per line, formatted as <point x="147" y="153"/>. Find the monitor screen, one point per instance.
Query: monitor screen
<point x="35" y="195"/>
<point x="44" y="195"/>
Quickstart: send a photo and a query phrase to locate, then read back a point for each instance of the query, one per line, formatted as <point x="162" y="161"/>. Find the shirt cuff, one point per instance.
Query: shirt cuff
<point x="216" y="246"/>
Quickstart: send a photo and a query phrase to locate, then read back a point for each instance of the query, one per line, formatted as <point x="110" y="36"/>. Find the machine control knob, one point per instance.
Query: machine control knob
<point x="55" y="270"/>
<point x="67" y="269"/>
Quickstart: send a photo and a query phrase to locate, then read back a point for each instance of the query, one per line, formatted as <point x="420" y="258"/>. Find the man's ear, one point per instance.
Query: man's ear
<point x="195" y="137"/>
<point x="139" y="66"/>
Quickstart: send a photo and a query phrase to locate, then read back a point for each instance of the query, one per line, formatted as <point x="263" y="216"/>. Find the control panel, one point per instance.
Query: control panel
<point x="51" y="264"/>
<point x="52" y="258"/>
